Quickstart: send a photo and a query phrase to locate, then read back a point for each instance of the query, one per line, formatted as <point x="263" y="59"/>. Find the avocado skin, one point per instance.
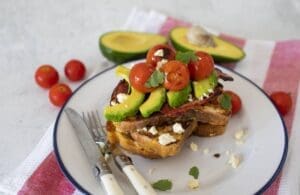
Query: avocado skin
<point x="177" y="98"/>
<point x="121" y="57"/>
<point x="154" y="102"/>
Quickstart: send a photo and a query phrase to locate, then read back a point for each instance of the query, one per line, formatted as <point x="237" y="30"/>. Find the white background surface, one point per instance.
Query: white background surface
<point x="37" y="32"/>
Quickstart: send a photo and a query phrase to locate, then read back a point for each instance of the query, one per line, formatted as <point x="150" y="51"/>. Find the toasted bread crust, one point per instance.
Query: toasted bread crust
<point x="208" y="130"/>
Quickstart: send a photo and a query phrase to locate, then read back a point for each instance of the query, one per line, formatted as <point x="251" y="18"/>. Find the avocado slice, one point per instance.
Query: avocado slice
<point x="177" y="98"/>
<point x="128" y="108"/>
<point x="123" y="46"/>
<point x="222" y="52"/>
<point x="203" y="87"/>
<point x="154" y="102"/>
<point x="123" y="72"/>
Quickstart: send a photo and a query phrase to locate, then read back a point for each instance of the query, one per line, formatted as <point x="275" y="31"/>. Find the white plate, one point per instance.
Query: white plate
<point x="263" y="152"/>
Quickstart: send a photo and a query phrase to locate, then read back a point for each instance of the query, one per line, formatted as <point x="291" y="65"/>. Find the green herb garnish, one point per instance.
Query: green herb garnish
<point x="194" y="171"/>
<point x="162" y="185"/>
<point x="155" y="79"/>
<point x="186" y="57"/>
<point x="225" y="101"/>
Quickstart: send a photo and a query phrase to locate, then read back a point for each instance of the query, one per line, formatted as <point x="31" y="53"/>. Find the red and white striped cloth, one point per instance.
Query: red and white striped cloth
<point x="272" y="65"/>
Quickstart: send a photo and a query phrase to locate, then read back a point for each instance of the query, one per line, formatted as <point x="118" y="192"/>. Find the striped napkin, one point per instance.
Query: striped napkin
<point x="272" y="65"/>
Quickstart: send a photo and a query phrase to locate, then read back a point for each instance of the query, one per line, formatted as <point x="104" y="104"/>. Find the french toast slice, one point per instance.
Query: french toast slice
<point x="148" y="145"/>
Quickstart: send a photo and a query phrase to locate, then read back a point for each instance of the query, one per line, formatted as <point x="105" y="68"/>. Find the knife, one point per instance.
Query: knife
<point x="123" y="162"/>
<point x="93" y="154"/>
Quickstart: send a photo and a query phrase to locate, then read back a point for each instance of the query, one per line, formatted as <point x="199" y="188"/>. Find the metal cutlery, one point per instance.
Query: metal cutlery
<point x="123" y="161"/>
<point x="95" y="157"/>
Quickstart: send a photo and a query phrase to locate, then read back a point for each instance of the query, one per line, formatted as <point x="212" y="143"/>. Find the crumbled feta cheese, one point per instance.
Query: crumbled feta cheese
<point x="144" y="129"/>
<point x="165" y="139"/>
<point x="205" y="95"/>
<point x="150" y="171"/>
<point x="121" y="97"/>
<point x="239" y="135"/>
<point x="159" y="53"/>
<point x="153" y="130"/>
<point x="190" y="98"/>
<point x="193" y="183"/>
<point x="234" y="160"/>
<point x="194" y="147"/>
<point x="177" y="128"/>
<point x="113" y="102"/>
<point x="205" y="150"/>
<point x="210" y="90"/>
<point x="160" y="63"/>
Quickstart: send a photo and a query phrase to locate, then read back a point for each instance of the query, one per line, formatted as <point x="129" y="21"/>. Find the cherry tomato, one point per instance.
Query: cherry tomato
<point x="159" y="52"/>
<point x="46" y="76"/>
<point x="75" y="70"/>
<point x="202" y="67"/>
<point x="283" y="101"/>
<point x="59" y="94"/>
<point x="138" y="76"/>
<point x="176" y="75"/>
<point x="236" y="102"/>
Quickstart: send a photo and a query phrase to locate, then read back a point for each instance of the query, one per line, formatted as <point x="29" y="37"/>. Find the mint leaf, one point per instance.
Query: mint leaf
<point x="225" y="101"/>
<point x="186" y="57"/>
<point x="162" y="185"/>
<point x="155" y="79"/>
<point x="194" y="171"/>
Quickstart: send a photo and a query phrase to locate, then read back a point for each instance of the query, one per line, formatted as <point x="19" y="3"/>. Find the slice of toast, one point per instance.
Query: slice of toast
<point x="148" y="145"/>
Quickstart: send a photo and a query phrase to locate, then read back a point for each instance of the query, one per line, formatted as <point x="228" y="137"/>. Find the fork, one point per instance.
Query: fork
<point x="124" y="162"/>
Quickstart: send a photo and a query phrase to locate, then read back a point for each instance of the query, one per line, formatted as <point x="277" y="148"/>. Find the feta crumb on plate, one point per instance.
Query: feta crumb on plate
<point x="193" y="183"/>
<point x="234" y="160"/>
<point x="194" y="147"/>
<point x="205" y="150"/>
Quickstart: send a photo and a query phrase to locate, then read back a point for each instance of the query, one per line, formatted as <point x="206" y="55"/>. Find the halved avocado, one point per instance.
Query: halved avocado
<point x="177" y="98"/>
<point x="154" y="102"/>
<point x="128" y="108"/>
<point x="123" y="46"/>
<point x="222" y="52"/>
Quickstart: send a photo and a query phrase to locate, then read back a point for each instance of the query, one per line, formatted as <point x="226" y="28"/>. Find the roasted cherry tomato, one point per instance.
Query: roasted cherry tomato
<point x="177" y="75"/>
<point x="202" y="67"/>
<point x="75" y="70"/>
<point x="283" y="101"/>
<point x="236" y="102"/>
<point x="46" y="76"/>
<point x="59" y="94"/>
<point x="138" y="76"/>
<point x="158" y="53"/>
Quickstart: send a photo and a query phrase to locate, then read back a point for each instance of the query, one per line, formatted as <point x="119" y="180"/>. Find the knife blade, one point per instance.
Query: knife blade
<point x="93" y="153"/>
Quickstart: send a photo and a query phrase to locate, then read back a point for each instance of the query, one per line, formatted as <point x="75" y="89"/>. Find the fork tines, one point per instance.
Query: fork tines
<point x="93" y="122"/>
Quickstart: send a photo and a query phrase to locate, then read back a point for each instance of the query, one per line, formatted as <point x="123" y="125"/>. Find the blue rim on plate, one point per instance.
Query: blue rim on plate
<point x="79" y="187"/>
